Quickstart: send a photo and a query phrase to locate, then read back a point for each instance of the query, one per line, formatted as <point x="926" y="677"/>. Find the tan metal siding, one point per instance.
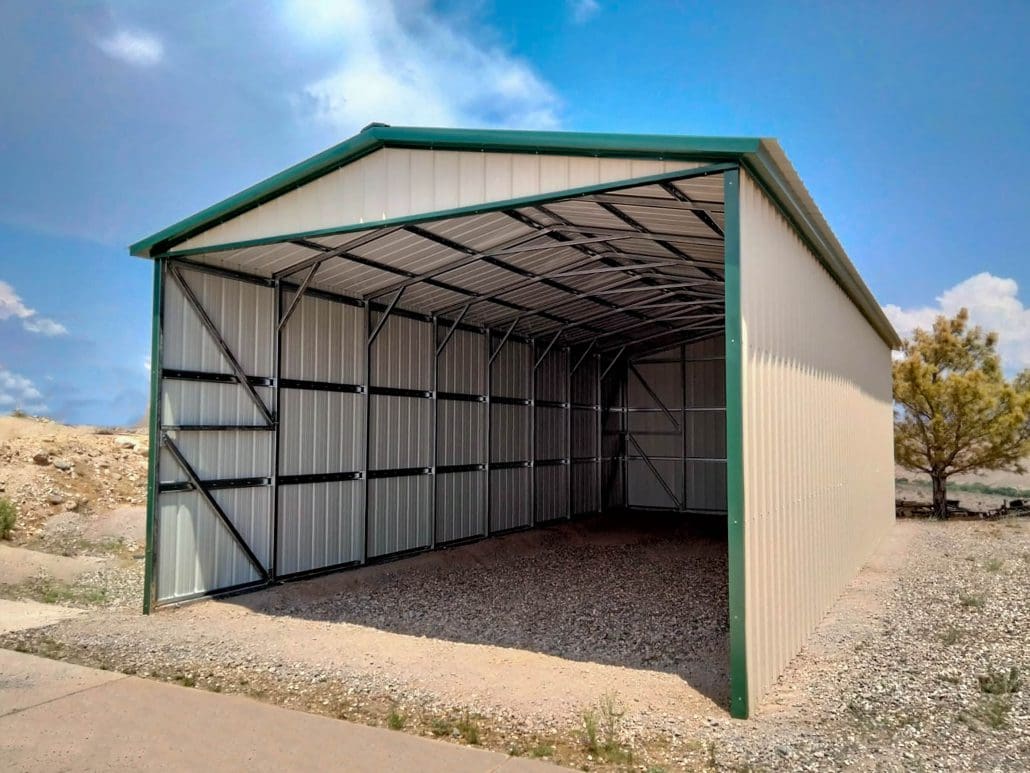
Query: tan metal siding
<point x="195" y="551"/>
<point x="395" y="182"/>
<point x="320" y="525"/>
<point x="510" y="498"/>
<point x="460" y="500"/>
<point x="817" y="446"/>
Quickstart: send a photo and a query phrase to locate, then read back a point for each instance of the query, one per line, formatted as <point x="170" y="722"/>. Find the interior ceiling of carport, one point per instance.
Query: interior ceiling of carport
<point x="633" y="266"/>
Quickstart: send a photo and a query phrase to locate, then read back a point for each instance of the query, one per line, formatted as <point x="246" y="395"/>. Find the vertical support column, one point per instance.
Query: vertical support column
<point x="434" y="371"/>
<point x="153" y="461"/>
<point x="532" y="434"/>
<point x="489" y="429"/>
<point x="598" y="442"/>
<point x="276" y="415"/>
<point x="368" y="428"/>
<point x="624" y="430"/>
<point x="735" y="493"/>
<point x="568" y="430"/>
<point x="683" y="424"/>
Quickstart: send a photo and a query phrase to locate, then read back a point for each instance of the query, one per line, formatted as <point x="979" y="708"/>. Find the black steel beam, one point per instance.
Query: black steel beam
<point x="216" y="336"/>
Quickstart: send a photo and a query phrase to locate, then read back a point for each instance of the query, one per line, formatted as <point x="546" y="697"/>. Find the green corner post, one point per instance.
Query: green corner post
<point x="735" y="448"/>
<point x="155" y="433"/>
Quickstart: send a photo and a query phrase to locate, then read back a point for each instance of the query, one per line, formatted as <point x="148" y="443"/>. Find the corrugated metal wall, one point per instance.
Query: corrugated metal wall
<point x="675" y="419"/>
<point x="322" y="432"/>
<point x="538" y="430"/>
<point x="195" y="549"/>
<point x="817" y="438"/>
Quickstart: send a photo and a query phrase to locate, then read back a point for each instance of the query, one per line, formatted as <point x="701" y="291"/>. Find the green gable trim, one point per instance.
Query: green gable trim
<point x="486" y="140"/>
<point x="472" y="209"/>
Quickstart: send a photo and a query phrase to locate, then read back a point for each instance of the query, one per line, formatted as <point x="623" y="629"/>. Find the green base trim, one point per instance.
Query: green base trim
<point x="739" y="701"/>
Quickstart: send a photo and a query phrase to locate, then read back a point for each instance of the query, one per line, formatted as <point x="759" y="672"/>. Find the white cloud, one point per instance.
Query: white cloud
<point x="583" y="10"/>
<point x="993" y="303"/>
<point x="133" y="47"/>
<point x="12" y="306"/>
<point x="406" y="64"/>
<point x="18" y="392"/>
<point x="44" y="326"/>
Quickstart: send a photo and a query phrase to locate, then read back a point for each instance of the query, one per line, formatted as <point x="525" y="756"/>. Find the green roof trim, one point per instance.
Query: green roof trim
<point x="376" y="136"/>
<point x="762" y="158"/>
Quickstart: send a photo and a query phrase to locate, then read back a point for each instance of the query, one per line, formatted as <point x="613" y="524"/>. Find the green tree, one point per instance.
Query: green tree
<point x="954" y="410"/>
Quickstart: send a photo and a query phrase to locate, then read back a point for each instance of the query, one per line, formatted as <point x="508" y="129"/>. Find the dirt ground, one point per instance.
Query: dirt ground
<point x="48" y="468"/>
<point x="915" y="487"/>
<point x="519" y="643"/>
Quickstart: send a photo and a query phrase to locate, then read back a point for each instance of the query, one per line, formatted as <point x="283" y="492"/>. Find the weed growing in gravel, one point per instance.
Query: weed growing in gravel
<point x="8" y="517"/>
<point x="395" y="720"/>
<point x="541" y="750"/>
<point x="602" y="729"/>
<point x="992" y="711"/>
<point x="440" y="726"/>
<point x="950" y="635"/>
<point x="1000" y="682"/>
<point x="612" y="713"/>
<point x="469" y="729"/>
<point x="713" y="763"/>
<point x="51" y="591"/>
<point x="971" y="600"/>
<point x="590" y="731"/>
<point x="994" y="564"/>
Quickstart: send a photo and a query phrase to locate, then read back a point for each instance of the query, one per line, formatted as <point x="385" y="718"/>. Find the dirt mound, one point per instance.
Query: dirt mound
<point x="47" y="468"/>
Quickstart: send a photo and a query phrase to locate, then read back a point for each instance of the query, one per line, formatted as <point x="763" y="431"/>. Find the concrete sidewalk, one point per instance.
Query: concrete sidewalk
<point x="58" y="716"/>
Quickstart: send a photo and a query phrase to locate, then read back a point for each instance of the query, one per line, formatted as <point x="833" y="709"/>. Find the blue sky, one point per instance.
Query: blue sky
<point x="910" y="127"/>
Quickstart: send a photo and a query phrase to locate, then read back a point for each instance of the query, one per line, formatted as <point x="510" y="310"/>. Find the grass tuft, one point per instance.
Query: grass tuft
<point x="468" y="727"/>
<point x="602" y="731"/>
<point x="971" y="600"/>
<point x="1000" y="682"/>
<point x="8" y="517"/>
<point x="541" y="750"/>
<point x="441" y="726"/>
<point x="993" y="712"/>
<point x="395" y="720"/>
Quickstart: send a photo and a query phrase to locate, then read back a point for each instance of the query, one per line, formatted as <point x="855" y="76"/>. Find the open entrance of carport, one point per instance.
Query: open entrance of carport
<point x="512" y="367"/>
<point x="445" y="380"/>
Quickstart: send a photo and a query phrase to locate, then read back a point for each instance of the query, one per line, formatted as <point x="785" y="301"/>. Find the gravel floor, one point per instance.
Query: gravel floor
<point x="651" y="597"/>
<point x="891" y="680"/>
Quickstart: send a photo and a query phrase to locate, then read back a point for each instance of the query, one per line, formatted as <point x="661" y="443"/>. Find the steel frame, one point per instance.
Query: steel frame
<point x="696" y="299"/>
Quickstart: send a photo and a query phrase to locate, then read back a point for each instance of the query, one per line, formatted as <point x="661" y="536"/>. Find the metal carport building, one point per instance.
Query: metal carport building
<point x="425" y="336"/>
